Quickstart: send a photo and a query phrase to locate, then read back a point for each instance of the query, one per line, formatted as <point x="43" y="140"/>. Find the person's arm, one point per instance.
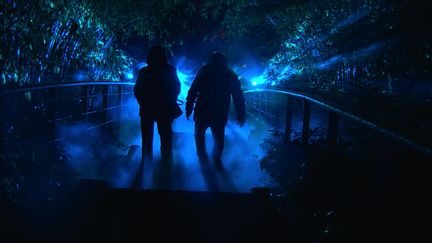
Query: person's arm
<point x="193" y="94"/>
<point x="139" y="87"/>
<point x="173" y="86"/>
<point x="238" y="99"/>
<point x="177" y="86"/>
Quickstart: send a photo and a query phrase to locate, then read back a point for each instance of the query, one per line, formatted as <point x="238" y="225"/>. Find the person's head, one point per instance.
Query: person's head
<point x="218" y="58"/>
<point x="157" y="56"/>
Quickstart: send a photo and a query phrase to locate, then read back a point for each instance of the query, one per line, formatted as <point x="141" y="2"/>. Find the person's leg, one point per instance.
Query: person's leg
<point x="200" y="129"/>
<point x="147" y="139"/>
<point x="166" y="137"/>
<point x="218" y="132"/>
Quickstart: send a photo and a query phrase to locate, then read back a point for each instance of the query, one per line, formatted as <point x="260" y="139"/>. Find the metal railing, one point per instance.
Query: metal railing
<point x="53" y="103"/>
<point x="334" y="113"/>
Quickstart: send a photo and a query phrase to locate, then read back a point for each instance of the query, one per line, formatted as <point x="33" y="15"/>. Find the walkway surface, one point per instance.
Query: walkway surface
<point x="94" y="158"/>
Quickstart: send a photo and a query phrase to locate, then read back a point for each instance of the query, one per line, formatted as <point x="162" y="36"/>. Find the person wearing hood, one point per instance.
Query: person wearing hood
<point x="209" y="98"/>
<point x="156" y="90"/>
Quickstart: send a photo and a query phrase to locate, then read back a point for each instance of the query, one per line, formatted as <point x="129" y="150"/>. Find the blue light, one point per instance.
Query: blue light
<point x="129" y="75"/>
<point x="141" y="65"/>
<point x="182" y="77"/>
<point x="186" y="74"/>
<point x="80" y="76"/>
<point x="359" y="53"/>
<point x="184" y="80"/>
<point x="273" y="83"/>
<point x="258" y="80"/>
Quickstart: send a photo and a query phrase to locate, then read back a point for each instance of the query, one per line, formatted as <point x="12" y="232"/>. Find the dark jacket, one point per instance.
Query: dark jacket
<point x="156" y="91"/>
<point x="212" y="89"/>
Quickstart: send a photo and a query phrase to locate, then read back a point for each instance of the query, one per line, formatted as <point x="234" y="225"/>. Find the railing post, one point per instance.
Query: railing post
<point x="332" y="130"/>
<point x="2" y="138"/>
<point x="104" y="103"/>
<point x="119" y="104"/>
<point x="84" y="102"/>
<point x="258" y="101"/>
<point x="288" y="119"/>
<point x="2" y="125"/>
<point x="306" y="121"/>
<point x="52" y="97"/>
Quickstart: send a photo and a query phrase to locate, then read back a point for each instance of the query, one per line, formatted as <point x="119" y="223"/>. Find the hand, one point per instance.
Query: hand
<point x="240" y="122"/>
<point x="189" y="108"/>
<point x="241" y="118"/>
<point x="188" y="114"/>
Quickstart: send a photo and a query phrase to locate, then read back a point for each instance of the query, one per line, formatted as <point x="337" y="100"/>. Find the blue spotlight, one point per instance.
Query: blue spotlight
<point x="80" y="76"/>
<point x="129" y="75"/>
<point x="258" y="80"/>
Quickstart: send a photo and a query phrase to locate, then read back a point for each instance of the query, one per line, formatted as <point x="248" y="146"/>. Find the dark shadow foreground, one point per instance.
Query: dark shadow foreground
<point x="96" y="212"/>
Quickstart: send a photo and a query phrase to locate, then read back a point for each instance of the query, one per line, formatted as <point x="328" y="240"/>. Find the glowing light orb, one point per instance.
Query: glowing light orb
<point x="80" y="77"/>
<point x="129" y="75"/>
<point x="258" y="80"/>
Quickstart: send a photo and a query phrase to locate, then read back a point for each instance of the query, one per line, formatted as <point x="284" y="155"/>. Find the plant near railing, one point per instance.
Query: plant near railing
<point x="37" y="174"/>
<point x="11" y="180"/>
<point x="317" y="136"/>
<point x="32" y="169"/>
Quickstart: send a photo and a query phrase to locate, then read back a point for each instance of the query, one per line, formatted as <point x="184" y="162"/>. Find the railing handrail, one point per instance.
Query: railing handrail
<point x="355" y="118"/>
<point x="28" y="88"/>
<point x="350" y="116"/>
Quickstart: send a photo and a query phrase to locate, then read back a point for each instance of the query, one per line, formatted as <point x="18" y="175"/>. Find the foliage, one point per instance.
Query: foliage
<point x="47" y="39"/>
<point x="11" y="181"/>
<point x="34" y="171"/>
<point x="44" y="41"/>
<point x="333" y="46"/>
<point x="50" y="41"/>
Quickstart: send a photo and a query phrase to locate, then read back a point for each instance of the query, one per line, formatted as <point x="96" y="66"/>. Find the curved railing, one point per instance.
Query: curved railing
<point x="111" y="100"/>
<point x="59" y="85"/>
<point x="334" y="113"/>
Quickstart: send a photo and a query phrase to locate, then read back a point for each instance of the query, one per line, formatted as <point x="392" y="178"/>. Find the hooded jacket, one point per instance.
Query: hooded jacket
<point x="211" y="92"/>
<point x="156" y="90"/>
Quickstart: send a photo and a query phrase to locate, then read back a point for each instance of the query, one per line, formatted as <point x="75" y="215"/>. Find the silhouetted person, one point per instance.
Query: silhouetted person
<point x="156" y="91"/>
<point x="211" y="92"/>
